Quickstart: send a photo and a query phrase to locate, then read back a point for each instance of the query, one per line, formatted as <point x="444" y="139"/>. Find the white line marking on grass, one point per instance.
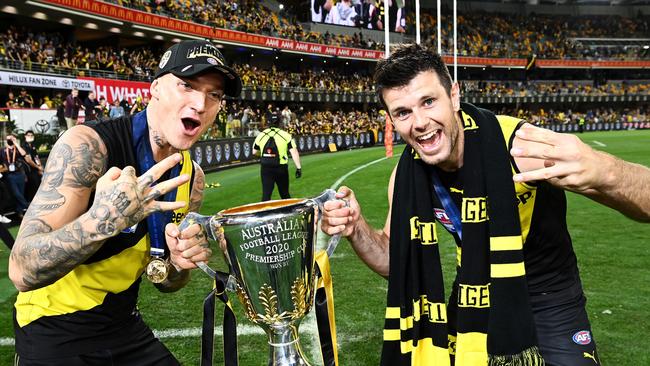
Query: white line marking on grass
<point x="242" y="330"/>
<point x="599" y="143"/>
<point x="340" y="180"/>
<point x="309" y="325"/>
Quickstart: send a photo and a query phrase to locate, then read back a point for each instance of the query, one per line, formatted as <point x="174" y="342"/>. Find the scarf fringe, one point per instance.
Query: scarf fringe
<point x="528" y="357"/>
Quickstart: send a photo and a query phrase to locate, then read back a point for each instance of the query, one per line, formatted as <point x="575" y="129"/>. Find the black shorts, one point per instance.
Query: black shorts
<point x="563" y="329"/>
<point x="143" y="349"/>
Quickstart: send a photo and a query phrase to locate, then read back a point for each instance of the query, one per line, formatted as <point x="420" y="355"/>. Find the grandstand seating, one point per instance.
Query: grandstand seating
<point x="27" y="49"/>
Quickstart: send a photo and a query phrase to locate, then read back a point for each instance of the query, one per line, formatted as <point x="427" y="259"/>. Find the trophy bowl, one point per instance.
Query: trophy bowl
<point x="269" y="247"/>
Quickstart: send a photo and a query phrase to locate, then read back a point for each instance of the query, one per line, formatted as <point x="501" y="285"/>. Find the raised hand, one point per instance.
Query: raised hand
<point x="567" y="162"/>
<point x="122" y="199"/>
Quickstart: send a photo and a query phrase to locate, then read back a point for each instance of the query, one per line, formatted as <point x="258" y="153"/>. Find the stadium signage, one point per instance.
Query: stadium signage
<point x="43" y="81"/>
<point x="115" y="11"/>
<point x="112" y="89"/>
<point x="118" y="12"/>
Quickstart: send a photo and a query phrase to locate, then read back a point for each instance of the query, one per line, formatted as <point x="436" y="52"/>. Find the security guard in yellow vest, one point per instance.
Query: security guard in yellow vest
<point x="273" y="143"/>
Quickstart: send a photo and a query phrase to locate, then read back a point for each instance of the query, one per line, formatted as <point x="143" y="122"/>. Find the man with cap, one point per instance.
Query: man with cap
<point x="107" y="212"/>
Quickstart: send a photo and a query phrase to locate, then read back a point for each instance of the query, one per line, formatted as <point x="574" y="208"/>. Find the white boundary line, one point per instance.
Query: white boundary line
<point x="309" y="325"/>
<point x="599" y="143"/>
<point x="340" y="180"/>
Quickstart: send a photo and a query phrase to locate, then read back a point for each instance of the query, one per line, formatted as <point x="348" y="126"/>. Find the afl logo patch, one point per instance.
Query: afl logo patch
<point x="583" y="337"/>
<point x="164" y="59"/>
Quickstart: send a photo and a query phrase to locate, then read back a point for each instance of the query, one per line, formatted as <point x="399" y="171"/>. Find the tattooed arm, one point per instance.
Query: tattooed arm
<point x="55" y="235"/>
<point x="58" y="232"/>
<point x="189" y="246"/>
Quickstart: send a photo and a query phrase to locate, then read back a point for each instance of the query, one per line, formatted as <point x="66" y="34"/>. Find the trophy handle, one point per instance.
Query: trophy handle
<point x="206" y="223"/>
<point x="328" y="195"/>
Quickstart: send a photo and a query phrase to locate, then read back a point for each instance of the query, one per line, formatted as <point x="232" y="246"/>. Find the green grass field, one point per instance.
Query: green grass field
<point x="612" y="254"/>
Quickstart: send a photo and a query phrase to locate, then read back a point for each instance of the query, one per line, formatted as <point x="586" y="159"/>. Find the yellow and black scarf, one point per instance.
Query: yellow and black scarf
<point x="489" y="320"/>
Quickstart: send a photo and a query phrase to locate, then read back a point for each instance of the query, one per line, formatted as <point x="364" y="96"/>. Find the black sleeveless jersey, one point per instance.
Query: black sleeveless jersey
<point x="551" y="264"/>
<point x="89" y="307"/>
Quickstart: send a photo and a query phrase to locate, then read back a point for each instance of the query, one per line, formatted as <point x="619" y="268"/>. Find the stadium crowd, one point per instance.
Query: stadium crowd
<point x="24" y="49"/>
<point x="540" y="116"/>
<point x="258" y="78"/>
<point x="246" y="16"/>
<point x="545" y="36"/>
<point x="552" y="88"/>
<point x="501" y="35"/>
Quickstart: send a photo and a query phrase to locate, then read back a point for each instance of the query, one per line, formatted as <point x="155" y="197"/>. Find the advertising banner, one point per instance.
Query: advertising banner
<point x="43" y="81"/>
<point x="112" y="89"/>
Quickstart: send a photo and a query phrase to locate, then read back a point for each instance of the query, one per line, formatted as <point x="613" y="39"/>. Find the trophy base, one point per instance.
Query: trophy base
<point x="284" y="347"/>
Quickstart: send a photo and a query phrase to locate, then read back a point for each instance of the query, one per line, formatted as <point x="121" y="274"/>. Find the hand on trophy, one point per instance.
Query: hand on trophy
<point x="339" y="217"/>
<point x="188" y="246"/>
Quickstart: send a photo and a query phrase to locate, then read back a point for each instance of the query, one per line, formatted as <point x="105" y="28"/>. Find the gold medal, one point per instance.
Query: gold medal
<point x="157" y="270"/>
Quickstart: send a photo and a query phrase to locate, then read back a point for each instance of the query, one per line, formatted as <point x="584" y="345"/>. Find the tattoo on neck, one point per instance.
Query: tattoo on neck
<point x="157" y="139"/>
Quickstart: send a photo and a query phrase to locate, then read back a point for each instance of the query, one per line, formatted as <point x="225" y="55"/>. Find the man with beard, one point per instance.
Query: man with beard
<point x="517" y="298"/>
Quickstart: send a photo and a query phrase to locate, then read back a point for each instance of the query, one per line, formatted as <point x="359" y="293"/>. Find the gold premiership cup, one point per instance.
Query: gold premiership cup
<point x="270" y="251"/>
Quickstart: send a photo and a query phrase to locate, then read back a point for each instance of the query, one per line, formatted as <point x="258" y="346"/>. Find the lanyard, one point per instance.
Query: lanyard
<point x="157" y="220"/>
<point x="13" y="159"/>
<point x="447" y="203"/>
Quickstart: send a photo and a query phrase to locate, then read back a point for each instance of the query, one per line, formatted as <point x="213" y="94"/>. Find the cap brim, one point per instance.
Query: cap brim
<point x="233" y="84"/>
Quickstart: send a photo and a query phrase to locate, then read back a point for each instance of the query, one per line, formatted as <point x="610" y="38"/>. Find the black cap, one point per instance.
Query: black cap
<point x="189" y="58"/>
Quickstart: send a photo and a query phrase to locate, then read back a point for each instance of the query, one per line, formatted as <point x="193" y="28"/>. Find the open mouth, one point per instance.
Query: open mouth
<point x="190" y="124"/>
<point x="430" y="140"/>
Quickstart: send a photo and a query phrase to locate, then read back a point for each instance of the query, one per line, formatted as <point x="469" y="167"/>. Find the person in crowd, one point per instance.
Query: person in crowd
<point x="6" y="199"/>
<point x="103" y="111"/>
<point x="11" y="101"/>
<point x="107" y="212"/>
<point x="5" y="235"/>
<point x="46" y="103"/>
<point x="92" y="109"/>
<point x="14" y="167"/>
<point x="116" y="110"/>
<point x="286" y="116"/>
<point x="247" y="117"/>
<point x="72" y="105"/>
<point x="517" y="297"/>
<point x="124" y="103"/>
<point x="140" y="104"/>
<point x="57" y="103"/>
<point x="273" y="144"/>
<point x="35" y="169"/>
<point x="24" y="99"/>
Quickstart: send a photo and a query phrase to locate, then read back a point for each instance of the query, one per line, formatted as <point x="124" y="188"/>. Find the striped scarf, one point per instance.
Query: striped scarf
<point x="489" y="320"/>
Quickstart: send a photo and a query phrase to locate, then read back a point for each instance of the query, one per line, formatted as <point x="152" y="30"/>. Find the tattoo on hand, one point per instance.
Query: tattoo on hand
<point x="120" y="201"/>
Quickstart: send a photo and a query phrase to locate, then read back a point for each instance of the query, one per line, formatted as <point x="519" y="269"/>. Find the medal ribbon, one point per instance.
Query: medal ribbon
<point x="447" y="203"/>
<point x="325" y="310"/>
<point x="156" y="221"/>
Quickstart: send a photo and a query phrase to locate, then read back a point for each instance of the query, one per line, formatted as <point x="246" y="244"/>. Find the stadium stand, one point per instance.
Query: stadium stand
<point x="512" y="63"/>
